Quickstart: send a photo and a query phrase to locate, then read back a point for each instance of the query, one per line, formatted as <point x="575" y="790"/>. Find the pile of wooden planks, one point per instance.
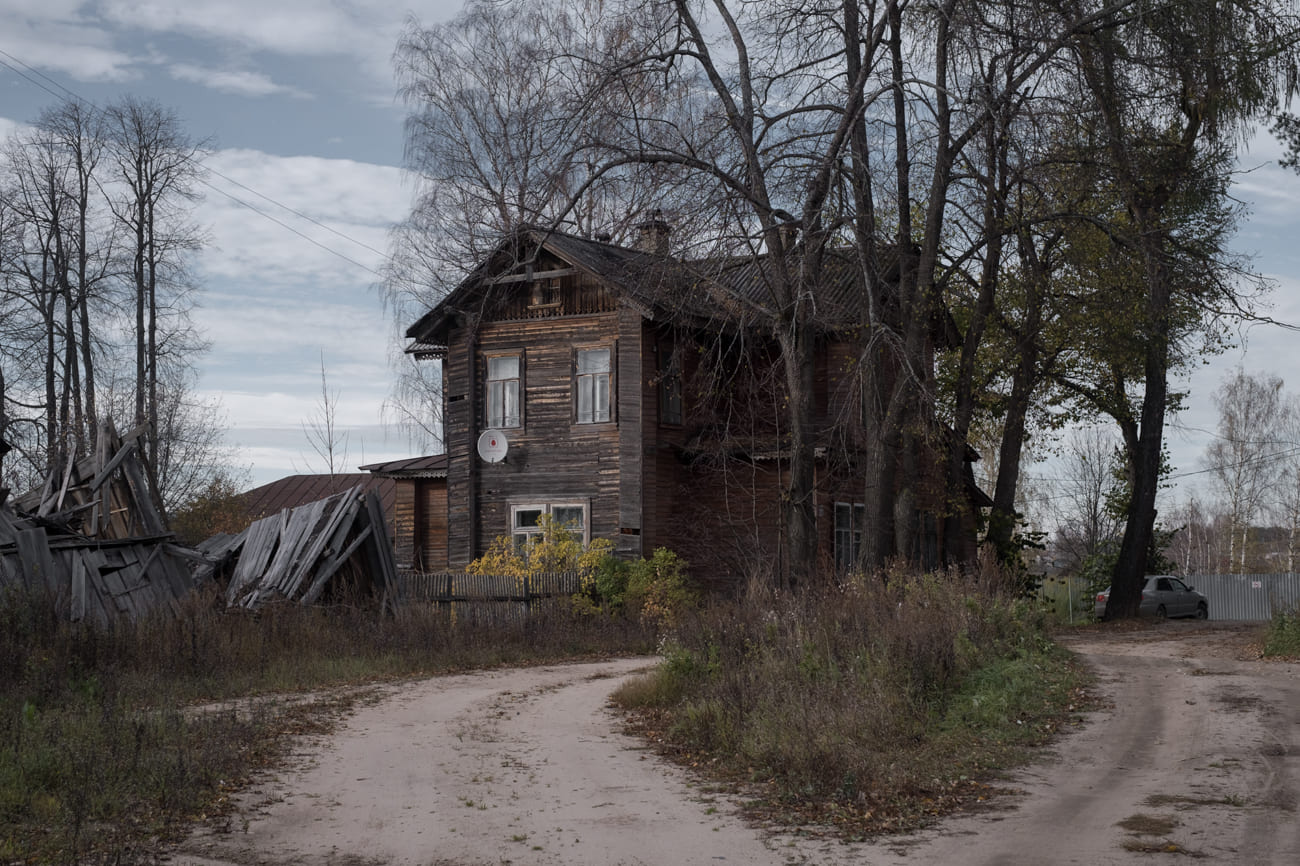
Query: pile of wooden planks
<point x="338" y="544"/>
<point x="93" y="539"/>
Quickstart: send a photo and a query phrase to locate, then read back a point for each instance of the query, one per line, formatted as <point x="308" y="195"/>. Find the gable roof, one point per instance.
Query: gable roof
<point x="617" y="268"/>
<point x="707" y="290"/>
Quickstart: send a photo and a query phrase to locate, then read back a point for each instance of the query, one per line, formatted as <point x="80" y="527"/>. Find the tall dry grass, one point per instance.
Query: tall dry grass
<point x="876" y="697"/>
<point x="102" y="756"/>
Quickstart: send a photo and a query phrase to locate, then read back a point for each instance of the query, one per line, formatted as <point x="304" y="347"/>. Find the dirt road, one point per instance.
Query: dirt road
<point x="1199" y="753"/>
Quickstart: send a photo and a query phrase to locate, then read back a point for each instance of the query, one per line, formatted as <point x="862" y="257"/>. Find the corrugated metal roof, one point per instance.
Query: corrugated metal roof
<point x="295" y="490"/>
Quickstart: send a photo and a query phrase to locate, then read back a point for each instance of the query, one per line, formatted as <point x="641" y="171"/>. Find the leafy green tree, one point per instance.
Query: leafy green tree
<point x="1168" y="91"/>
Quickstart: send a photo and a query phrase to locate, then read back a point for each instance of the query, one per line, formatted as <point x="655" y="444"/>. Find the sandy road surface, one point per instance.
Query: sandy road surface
<point x="1199" y="753"/>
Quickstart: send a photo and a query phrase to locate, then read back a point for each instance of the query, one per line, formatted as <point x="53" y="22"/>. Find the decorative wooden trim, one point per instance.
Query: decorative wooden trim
<point x="530" y="277"/>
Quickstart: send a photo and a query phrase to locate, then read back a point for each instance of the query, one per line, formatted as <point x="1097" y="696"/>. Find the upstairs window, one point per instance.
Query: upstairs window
<point x="850" y="518"/>
<point x="592" y="386"/>
<point x="503" y="391"/>
<point x="670" y="389"/>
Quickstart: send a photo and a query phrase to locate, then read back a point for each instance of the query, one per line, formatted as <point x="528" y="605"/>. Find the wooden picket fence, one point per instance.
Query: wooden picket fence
<point x="483" y="599"/>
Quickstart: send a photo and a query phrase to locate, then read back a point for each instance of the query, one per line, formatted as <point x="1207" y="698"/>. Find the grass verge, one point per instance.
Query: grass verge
<point x="1282" y="639"/>
<point x="871" y="707"/>
<point x="104" y="758"/>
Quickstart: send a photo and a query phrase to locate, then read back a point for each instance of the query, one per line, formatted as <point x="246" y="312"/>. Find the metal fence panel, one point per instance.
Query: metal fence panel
<point x="1252" y="597"/>
<point x="1241" y="597"/>
<point x="1068" y="596"/>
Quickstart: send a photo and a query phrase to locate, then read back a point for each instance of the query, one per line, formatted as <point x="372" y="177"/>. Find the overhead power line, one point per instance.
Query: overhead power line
<point x="31" y="75"/>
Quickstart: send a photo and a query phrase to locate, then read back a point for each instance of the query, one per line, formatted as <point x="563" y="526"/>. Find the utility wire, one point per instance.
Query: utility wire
<point x="70" y="95"/>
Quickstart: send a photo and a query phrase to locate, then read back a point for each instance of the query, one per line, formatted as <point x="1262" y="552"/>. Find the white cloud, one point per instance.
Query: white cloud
<point x="355" y="202"/>
<point x="239" y="82"/>
<point x="9" y="127"/>
<point x="84" y="52"/>
<point x="276" y="451"/>
<point x="1270" y="190"/>
<point x="105" y="41"/>
<point x="278" y="340"/>
<point x="365" y="30"/>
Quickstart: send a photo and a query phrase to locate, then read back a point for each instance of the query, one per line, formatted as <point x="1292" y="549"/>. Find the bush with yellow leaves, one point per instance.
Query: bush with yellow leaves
<point x="554" y="549"/>
<point x="654" y="590"/>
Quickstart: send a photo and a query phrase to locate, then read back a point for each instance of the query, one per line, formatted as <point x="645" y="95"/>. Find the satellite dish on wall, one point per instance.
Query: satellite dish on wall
<point x="492" y="446"/>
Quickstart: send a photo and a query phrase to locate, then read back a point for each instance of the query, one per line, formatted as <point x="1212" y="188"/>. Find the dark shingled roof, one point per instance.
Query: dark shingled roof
<point x="433" y="466"/>
<point x="718" y="290"/>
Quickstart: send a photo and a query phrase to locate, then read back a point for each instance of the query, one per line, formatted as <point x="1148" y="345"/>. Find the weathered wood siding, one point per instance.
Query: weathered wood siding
<point x="431" y="495"/>
<point x="630" y="398"/>
<point x="460" y="431"/>
<point x="407" y="522"/>
<point x="552" y="458"/>
<point x="839" y="400"/>
<point x="729" y="520"/>
<point x="663" y="470"/>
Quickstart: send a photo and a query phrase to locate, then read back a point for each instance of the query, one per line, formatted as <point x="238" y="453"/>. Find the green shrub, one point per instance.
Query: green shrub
<point x="1283" y="635"/>
<point x="605" y="589"/>
<point x="658" y="588"/>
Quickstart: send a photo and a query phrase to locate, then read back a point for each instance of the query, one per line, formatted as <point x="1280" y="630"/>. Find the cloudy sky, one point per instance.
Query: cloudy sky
<point x="298" y="101"/>
<point x="297" y="98"/>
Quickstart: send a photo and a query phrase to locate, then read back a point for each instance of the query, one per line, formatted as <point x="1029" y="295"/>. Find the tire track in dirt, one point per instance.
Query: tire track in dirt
<point x="1196" y="755"/>
<point x="1197" y="752"/>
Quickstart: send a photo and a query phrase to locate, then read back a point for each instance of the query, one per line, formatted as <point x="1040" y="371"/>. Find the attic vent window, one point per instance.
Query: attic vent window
<point x="545" y="295"/>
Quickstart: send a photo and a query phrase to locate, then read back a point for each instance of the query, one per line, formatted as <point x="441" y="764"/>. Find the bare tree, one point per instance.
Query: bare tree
<point x="1085" y="497"/>
<point x="1197" y="546"/>
<point x="502" y="108"/>
<point x="792" y="97"/>
<point x="1242" y="459"/>
<point x="94" y="222"/>
<point x="1285" y="486"/>
<point x="157" y="166"/>
<point x="322" y="429"/>
<point x="44" y="261"/>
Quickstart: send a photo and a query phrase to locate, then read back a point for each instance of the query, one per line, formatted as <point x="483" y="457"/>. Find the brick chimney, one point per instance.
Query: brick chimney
<point x="652" y="235"/>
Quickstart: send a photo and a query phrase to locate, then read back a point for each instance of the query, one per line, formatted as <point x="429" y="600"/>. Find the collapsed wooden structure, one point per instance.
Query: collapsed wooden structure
<point x="93" y="539"/>
<point x="339" y="544"/>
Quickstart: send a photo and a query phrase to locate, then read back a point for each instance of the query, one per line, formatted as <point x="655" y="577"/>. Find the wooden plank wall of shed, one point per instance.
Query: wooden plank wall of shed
<point x="431" y="505"/>
<point x="407" y="522"/>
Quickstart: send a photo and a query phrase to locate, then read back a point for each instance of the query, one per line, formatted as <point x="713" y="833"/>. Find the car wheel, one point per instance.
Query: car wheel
<point x="1202" y="612"/>
<point x="1161" y="613"/>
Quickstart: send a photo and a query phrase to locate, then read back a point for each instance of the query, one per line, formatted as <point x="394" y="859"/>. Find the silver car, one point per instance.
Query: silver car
<point x="1163" y="596"/>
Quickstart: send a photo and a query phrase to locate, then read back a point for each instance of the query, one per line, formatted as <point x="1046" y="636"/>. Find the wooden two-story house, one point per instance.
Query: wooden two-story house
<point x="634" y="404"/>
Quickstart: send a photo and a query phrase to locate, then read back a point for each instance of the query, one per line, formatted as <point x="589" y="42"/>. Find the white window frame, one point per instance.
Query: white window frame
<point x="670" y="390"/>
<point x="522" y="534"/>
<point x="497" y="416"/>
<point x="590" y="385"/>
<point x="848" y="534"/>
